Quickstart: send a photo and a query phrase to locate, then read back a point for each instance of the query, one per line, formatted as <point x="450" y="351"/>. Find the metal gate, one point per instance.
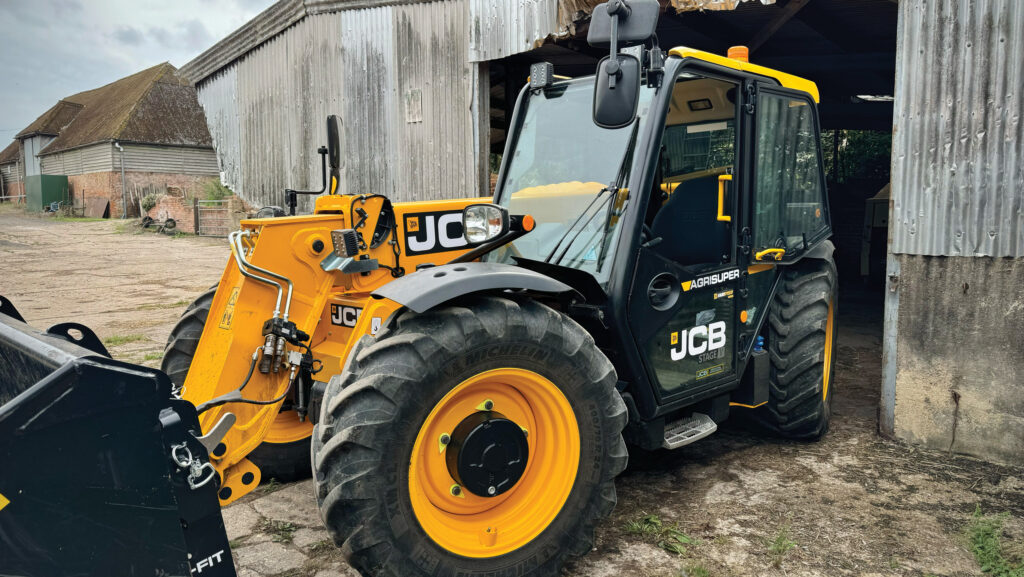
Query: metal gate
<point x="212" y="217"/>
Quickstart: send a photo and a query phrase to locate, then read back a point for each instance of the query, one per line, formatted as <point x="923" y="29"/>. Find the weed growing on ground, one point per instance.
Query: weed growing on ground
<point x="650" y="529"/>
<point x="118" y="340"/>
<point x="325" y="546"/>
<point x="152" y="357"/>
<point x="270" y="486"/>
<point x="987" y="542"/>
<point x="279" y="531"/>
<point x="780" y="546"/>
<point x="694" y="571"/>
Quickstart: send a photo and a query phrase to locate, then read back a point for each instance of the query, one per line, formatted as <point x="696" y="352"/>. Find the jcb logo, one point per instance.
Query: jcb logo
<point x="698" y="340"/>
<point x="429" y="232"/>
<point x="345" y="316"/>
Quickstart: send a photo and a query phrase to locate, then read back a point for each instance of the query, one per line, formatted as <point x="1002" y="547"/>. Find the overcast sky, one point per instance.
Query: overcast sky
<point x="50" y="49"/>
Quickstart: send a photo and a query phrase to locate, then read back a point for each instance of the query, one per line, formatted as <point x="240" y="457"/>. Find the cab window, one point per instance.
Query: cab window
<point x="698" y="146"/>
<point x="789" y="192"/>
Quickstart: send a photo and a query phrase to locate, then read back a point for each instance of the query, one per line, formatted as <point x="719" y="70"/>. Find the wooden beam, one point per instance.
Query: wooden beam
<point x="788" y="11"/>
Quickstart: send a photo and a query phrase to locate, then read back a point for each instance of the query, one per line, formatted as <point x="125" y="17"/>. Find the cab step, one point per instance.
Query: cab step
<point x="687" y="430"/>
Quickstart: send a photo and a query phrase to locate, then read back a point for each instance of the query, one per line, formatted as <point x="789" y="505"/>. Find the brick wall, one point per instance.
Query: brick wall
<point x="182" y="210"/>
<point x="96" y="185"/>
<point x="108" y="185"/>
<point x="176" y="207"/>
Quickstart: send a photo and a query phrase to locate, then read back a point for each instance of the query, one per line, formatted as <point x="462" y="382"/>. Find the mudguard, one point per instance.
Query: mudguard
<point x="429" y="287"/>
<point x="96" y="467"/>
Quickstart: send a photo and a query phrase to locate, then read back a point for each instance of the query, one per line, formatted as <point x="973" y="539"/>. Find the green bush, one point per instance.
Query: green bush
<point x="149" y="201"/>
<point x="214" y="190"/>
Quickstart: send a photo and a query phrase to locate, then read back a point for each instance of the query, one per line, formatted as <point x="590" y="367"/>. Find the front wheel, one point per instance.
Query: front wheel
<point x="473" y="437"/>
<point x="802" y="342"/>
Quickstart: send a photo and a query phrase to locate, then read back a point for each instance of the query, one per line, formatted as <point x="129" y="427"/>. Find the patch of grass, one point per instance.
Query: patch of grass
<point x="62" y="218"/>
<point x="236" y="543"/>
<point x="651" y="530"/>
<point x="279" y="531"/>
<point x="780" y="546"/>
<point x="696" y="570"/>
<point x="152" y="357"/>
<point x="990" y="547"/>
<point x="325" y="546"/>
<point x="118" y="340"/>
<point x="270" y="486"/>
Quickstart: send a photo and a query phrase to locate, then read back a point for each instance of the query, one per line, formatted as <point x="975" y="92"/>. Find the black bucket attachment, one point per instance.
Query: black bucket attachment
<point x="101" y="472"/>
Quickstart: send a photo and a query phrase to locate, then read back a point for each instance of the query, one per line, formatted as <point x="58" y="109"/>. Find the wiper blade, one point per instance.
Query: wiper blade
<point x="573" y="226"/>
<point x="613" y="187"/>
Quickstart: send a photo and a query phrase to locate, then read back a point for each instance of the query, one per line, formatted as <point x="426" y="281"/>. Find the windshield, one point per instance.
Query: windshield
<point x="558" y="171"/>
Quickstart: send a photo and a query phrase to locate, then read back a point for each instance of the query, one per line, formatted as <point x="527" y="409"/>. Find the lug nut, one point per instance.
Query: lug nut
<point x="445" y="438"/>
<point x="491" y="490"/>
<point x="488" y="405"/>
<point x="456" y="490"/>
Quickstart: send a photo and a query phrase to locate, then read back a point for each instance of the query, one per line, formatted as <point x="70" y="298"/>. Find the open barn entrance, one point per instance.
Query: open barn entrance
<point x="847" y="47"/>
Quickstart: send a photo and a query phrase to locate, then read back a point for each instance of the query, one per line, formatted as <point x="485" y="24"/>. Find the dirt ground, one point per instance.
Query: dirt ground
<point x="738" y="504"/>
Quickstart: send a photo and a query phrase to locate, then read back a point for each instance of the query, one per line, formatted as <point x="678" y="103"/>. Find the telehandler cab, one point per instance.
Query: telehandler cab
<point x="466" y="374"/>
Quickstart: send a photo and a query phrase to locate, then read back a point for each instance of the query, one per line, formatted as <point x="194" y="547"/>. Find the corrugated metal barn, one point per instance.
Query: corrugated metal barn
<point x="426" y="90"/>
<point x="395" y="71"/>
<point x="954" y="370"/>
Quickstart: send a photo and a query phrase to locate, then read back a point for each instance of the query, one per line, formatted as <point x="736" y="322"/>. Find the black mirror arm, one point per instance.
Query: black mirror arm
<point x="292" y="196"/>
<point x="515" y="231"/>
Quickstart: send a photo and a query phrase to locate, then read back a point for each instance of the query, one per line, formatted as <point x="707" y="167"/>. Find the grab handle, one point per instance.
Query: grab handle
<point x="721" y="197"/>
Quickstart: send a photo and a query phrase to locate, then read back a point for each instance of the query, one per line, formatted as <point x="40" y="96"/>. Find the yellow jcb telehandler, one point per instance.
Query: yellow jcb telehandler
<point x="462" y="378"/>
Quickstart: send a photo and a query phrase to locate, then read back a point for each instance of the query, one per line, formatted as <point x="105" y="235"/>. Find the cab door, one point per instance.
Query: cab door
<point x="685" y="301"/>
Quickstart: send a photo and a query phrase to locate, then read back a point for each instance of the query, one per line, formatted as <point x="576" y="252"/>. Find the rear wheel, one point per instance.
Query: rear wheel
<point x="284" y="453"/>
<point x="487" y="432"/>
<point x="802" y="340"/>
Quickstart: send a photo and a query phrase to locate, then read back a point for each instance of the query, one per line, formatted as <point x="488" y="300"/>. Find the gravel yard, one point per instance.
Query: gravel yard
<point x="734" y="504"/>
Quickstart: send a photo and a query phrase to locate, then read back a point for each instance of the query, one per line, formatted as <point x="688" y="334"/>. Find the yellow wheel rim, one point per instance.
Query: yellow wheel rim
<point x="828" y="350"/>
<point x="474" y="526"/>
<point x="287" y="428"/>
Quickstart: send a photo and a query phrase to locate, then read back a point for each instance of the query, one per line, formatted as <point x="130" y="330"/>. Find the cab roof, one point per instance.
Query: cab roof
<point x="786" y="80"/>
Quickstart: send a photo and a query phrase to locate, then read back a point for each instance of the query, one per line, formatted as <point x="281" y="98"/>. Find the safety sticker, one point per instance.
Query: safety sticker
<point x="229" y="310"/>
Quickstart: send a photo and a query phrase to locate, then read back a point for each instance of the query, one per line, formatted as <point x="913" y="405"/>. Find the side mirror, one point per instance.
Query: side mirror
<point x="334" y="150"/>
<point x="615" y="24"/>
<point x="616" y="91"/>
<point x="484" y="222"/>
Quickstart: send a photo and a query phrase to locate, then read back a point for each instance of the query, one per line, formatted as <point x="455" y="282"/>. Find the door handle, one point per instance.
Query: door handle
<point x="773" y="253"/>
<point x="722" y="178"/>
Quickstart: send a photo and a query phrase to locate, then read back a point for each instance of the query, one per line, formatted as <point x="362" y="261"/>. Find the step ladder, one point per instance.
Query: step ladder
<point x="687" y="430"/>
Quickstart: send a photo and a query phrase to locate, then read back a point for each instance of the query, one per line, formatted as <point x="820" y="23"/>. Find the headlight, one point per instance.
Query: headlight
<point x="484" y="222"/>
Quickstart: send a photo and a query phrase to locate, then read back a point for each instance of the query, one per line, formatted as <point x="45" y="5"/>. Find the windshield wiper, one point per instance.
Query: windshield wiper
<point x="612" y="187"/>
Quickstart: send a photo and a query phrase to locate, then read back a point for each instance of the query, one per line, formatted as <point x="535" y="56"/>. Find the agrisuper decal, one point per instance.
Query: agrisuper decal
<point x="703" y="342"/>
<point x="712" y="279"/>
<point x="346" y="316"/>
<point x="430" y="232"/>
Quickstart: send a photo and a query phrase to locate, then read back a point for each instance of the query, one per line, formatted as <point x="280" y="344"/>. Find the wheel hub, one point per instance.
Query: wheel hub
<point x="488" y="454"/>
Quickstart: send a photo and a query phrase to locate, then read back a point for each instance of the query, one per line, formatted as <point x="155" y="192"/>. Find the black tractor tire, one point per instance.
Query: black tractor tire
<point x="373" y="411"/>
<point x="802" y="343"/>
<point x="285" y="462"/>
